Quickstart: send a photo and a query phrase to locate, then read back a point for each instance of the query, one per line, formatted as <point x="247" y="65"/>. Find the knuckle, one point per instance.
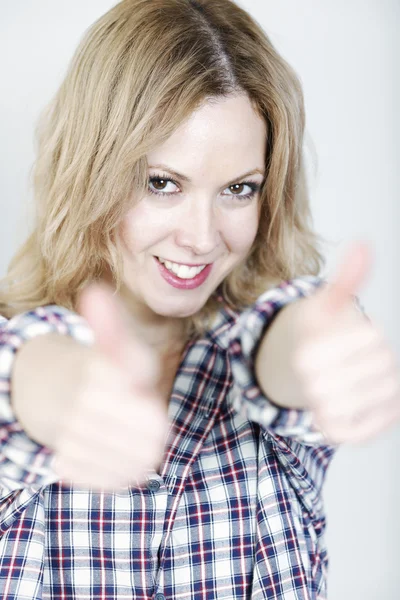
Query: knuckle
<point x="378" y="335"/>
<point x="338" y="435"/>
<point x="393" y="361"/>
<point x="386" y="359"/>
<point x="370" y="335"/>
<point x="330" y="434"/>
<point x="392" y="385"/>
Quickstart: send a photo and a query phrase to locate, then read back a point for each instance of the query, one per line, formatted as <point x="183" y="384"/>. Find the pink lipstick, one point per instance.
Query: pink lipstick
<point x="183" y="284"/>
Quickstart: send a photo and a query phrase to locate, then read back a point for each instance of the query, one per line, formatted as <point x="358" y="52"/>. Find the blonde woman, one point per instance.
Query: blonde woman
<point x="175" y="375"/>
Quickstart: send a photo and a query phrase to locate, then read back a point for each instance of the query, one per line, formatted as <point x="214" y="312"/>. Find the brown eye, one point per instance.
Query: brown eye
<point x="237" y="188"/>
<point x="159" y="184"/>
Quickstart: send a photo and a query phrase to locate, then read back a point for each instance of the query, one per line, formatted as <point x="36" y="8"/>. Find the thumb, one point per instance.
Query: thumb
<point x="352" y="273"/>
<point x="106" y="315"/>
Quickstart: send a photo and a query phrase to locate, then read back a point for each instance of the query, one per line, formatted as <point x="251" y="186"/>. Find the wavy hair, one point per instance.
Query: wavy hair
<point x="138" y="73"/>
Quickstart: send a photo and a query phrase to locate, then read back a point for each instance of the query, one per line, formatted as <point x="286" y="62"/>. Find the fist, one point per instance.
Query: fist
<point x="117" y="422"/>
<point x="346" y="369"/>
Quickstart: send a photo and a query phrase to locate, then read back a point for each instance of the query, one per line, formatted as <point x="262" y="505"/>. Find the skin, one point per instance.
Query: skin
<point x="197" y="221"/>
<point x="336" y="362"/>
<point x="139" y="341"/>
<point x="348" y="372"/>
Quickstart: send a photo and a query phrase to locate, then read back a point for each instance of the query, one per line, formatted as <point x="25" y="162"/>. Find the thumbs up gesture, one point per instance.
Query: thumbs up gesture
<point x="116" y="426"/>
<point x="346" y="369"/>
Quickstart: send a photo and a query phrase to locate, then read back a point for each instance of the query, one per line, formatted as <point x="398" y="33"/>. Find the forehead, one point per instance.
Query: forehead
<point x="222" y="134"/>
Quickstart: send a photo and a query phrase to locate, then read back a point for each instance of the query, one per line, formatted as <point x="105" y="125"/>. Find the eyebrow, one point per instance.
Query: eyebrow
<point x="187" y="179"/>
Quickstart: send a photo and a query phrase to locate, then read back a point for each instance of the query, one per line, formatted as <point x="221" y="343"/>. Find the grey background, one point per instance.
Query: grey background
<point x="347" y="56"/>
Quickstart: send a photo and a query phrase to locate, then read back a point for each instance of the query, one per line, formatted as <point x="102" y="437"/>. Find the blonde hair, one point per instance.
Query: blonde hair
<point x="138" y="73"/>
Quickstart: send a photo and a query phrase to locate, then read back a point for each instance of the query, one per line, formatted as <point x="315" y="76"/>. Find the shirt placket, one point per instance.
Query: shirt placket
<point x="158" y="498"/>
<point x="174" y="486"/>
<point x="191" y="416"/>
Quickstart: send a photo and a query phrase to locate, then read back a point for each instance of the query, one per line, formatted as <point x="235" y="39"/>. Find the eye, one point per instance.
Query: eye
<point x="163" y="185"/>
<point x="239" y="188"/>
<point x="159" y="185"/>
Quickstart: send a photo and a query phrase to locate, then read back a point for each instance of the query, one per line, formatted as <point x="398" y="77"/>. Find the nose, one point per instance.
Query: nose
<point x="199" y="228"/>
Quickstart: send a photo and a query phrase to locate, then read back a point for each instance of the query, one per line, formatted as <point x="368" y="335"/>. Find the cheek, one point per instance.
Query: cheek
<point x="135" y="232"/>
<point x="241" y="231"/>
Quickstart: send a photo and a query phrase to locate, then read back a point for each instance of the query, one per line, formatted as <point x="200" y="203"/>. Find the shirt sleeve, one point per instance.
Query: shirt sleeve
<point x="244" y="338"/>
<point x="23" y="461"/>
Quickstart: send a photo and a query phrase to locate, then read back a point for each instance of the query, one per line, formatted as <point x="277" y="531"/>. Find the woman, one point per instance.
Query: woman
<point x="166" y="428"/>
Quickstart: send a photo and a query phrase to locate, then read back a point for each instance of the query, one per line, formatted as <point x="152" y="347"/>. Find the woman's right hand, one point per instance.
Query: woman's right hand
<point x="114" y="430"/>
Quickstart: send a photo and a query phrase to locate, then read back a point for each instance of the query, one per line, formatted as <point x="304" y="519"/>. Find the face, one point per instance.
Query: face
<point x="201" y="208"/>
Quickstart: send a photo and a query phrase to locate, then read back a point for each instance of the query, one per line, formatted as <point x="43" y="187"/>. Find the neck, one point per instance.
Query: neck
<point x="165" y="334"/>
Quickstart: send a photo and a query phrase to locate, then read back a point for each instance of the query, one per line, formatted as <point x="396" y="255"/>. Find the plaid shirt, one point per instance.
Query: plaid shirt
<point x="235" y="511"/>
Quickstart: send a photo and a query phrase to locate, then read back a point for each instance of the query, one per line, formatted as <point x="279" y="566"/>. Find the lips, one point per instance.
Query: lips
<point x="183" y="284"/>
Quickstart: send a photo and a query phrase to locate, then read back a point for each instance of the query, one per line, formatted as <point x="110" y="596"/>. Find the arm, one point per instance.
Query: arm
<point x="275" y="355"/>
<point x="30" y="363"/>
<point x="45" y="373"/>
<point x="258" y="336"/>
<point x="244" y="339"/>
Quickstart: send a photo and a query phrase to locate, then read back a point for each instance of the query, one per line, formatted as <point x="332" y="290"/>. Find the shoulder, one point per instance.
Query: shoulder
<point x="46" y="319"/>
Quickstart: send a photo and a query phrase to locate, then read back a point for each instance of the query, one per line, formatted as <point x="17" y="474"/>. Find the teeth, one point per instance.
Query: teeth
<point x="182" y="271"/>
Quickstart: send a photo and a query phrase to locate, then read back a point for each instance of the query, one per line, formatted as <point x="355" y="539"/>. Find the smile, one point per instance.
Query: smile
<point x="182" y="271"/>
<point x="182" y="276"/>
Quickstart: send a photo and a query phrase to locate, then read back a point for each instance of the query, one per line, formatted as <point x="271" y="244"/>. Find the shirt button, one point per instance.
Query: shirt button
<point x="159" y="597"/>
<point x="154" y="485"/>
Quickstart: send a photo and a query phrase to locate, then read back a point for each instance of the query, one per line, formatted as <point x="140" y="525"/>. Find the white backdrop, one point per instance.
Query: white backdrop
<point x="347" y="56"/>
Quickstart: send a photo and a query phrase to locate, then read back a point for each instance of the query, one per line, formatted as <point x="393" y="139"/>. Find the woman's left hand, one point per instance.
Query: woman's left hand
<point x="347" y="371"/>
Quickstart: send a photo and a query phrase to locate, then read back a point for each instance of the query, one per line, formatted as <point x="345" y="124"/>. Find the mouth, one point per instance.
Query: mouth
<point x="183" y="271"/>
<point x="174" y="262"/>
<point x="182" y="276"/>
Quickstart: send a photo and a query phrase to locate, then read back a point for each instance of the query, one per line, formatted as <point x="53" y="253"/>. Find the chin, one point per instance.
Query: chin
<point x="178" y="311"/>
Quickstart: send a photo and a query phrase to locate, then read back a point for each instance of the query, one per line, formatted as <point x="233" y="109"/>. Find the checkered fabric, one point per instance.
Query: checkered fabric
<point x="235" y="511"/>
